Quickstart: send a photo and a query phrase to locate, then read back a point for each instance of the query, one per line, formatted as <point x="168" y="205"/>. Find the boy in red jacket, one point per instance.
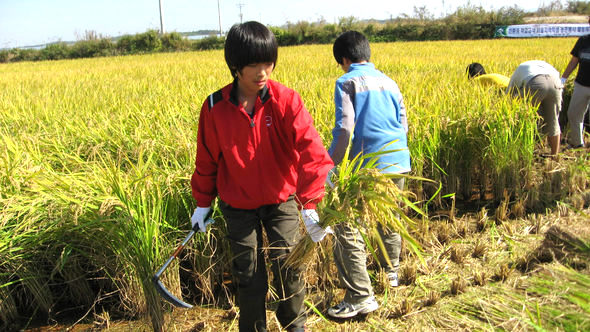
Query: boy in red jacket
<point x="257" y="149"/>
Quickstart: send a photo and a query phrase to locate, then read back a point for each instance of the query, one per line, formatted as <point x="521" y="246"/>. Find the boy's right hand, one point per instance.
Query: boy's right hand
<point x="329" y="178"/>
<point x="198" y="218"/>
<point x="315" y="231"/>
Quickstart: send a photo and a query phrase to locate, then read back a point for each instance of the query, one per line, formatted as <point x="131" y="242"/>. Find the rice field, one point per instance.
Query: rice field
<point x="96" y="155"/>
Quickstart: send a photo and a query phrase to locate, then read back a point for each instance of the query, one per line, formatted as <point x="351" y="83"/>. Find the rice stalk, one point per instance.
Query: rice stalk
<point x="137" y="231"/>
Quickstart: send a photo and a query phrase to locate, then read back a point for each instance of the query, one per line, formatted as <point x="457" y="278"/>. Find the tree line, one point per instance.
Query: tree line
<point x="467" y="22"/>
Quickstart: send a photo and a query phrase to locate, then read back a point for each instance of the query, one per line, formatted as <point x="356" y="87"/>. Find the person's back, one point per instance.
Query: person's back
<point x="541" y="81"/>
<point x="497" y="80"/>
<point x="477" y="73"/>
<point x="379" y="115"/>
<point x="369" y="108"/>
<point x="529" y="69"/>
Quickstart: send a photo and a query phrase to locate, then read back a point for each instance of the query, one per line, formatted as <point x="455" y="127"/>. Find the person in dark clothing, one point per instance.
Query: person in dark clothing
<point x="580" y="100"/>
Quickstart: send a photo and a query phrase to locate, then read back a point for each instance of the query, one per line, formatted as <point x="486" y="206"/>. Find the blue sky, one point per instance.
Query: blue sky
<point x="33" y="22"/>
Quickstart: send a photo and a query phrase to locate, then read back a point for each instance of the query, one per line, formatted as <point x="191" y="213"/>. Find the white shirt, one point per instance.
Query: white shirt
<point x="529" y="69"/>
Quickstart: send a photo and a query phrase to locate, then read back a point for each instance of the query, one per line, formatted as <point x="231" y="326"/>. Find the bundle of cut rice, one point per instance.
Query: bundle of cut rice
<point x="362" y="196"/>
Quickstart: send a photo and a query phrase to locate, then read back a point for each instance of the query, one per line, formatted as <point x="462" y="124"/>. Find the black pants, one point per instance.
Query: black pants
<point x="281" y="224"/>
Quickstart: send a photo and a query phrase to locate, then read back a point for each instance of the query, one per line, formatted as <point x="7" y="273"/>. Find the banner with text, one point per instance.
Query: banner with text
<point x="543" y="30"/>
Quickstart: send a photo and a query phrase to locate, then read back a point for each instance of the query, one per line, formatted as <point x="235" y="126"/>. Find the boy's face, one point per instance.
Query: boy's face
<point x="253" y="77"/>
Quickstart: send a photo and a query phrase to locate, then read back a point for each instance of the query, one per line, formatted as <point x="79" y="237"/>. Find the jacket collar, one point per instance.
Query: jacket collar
<point x="264" y="94"/>
<point x="357" y="65"/>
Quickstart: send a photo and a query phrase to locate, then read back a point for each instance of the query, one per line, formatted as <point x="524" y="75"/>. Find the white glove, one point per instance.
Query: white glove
<point x="315" y="231"/>
<point x="199" y="216"/>
<point x="563" y="80"/>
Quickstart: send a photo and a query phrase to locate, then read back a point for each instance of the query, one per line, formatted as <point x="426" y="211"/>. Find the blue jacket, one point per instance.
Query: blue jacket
<point x="370" y="107"/>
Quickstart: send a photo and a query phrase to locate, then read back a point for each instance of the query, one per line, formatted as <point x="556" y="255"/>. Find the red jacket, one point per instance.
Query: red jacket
<point x="258" y="160"/>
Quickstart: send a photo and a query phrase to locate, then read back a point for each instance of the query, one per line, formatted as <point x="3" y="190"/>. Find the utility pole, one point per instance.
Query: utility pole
<point x="161" y="19"/>
<point x="219" y="15"/>
<point x="241" y="16"/>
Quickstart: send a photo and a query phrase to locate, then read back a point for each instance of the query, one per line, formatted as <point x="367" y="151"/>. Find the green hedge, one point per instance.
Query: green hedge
<point x="468" y="22"/>
<point x="148" y="42"/>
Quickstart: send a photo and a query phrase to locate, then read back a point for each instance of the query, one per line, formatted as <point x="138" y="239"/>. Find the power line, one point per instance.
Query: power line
<point x="161" y="19"/>
<point x="241" y="15"/>
<point x="219" y="15"/>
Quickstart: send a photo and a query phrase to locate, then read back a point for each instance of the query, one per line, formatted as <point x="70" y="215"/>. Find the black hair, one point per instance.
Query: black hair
<point x="475" y="69"/>
<point x="247" y="43"/>
<point x="352" y="45"/>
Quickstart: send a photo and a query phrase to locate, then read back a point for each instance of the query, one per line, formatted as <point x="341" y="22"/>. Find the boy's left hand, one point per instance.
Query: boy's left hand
<point x="315" y="231"/>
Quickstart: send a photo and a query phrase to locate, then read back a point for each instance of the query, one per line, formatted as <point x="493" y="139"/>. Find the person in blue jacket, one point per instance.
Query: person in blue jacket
<point x="370" y="109"/>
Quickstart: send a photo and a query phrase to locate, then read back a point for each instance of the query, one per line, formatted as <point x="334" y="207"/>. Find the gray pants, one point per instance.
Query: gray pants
<point x="546" y="92"/>
<point x="575" y="113"/>
<point x="350" y="257"/>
